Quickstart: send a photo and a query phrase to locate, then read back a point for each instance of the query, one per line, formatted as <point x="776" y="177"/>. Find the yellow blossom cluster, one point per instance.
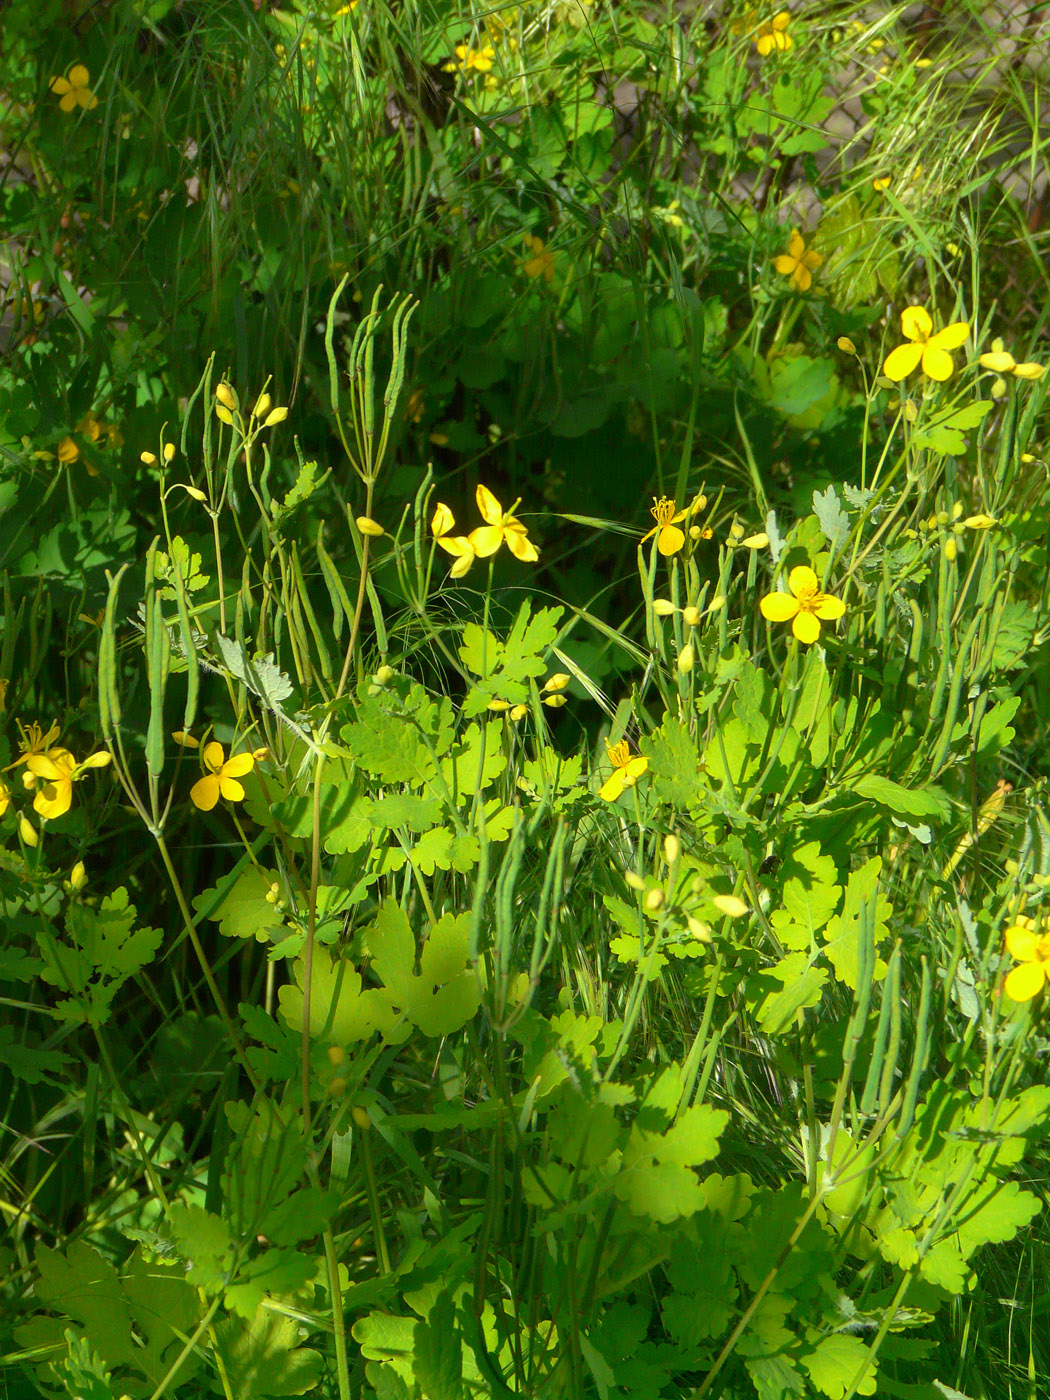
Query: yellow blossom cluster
<point x="501" y="527"/>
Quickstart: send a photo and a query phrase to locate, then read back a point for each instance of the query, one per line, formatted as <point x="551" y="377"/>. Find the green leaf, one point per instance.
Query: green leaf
<point x="674" y="764"/>
<point x="262" y="1356"/>
<point x="833" y="519"/>
<point x="83" y="1372"/>
<point x="340" y="1011"/>
<point x="802" y="986"/>
<point x="263" y="1165"/>
<point x="260" y="674"/>
<point x="439" y="1351"/>
<point x="204" y="1240"/>
<point x="902" y="801"/>
<point x="944" y="432"/>
<point x="480" y="651"/>
<point x="27" y="1062"/>
<point x="399" y="809"/>
<point x="842" y="934"/>
<point x="102" y="952"/>
<point x="239" y="905"/>
<point x="835" y="1361"/>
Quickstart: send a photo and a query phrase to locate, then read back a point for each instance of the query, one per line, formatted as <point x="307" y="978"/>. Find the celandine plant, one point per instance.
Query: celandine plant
<point x="700" y="1061"/>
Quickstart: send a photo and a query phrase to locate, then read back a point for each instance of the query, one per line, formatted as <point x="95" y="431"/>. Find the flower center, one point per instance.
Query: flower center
<point x="662" y="510"/>
<point x="619" y="754"/>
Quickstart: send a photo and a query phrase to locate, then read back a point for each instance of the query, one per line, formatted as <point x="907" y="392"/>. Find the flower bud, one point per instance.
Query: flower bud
<point x="223" y="415"/>
<point x="78" y="876"/>
<point x="337" y="1087"/>
<point x="951" y="549"/>
<point x="758" y="541"/>
<point x="555" y="702"/>
<point x="169" y="452"/>
<point x="360" y="1116"/>
<point x="699" y="930"/>
<point x="685" y="660"/>
<point x="672" y="848"/>
<point x="263" y="404"/>
<point x="148" y="457"/>
<point x="717" y="603"/>
<point x="275" y="416"/>
<point x="227" y="396"/>
<point x="729" y="905"/>
<point x="518" y="712"/>
<point x="384" y="675"/>
<point x="635" y="881"/>
<point x="691" y="616"/>
<point x="846" y="345"/>
<point x="336" y="1055"/>
<point x="654" y="900"/>
<point x="559" y="681"/>
<point x="28" y="832"/>
<point x="980" y="522"/>
<point x="663" y="607"/>
<point x="368" y="526"/>
<point x="196" y="493"/>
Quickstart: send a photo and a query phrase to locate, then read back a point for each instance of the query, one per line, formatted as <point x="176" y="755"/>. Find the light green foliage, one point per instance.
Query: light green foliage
<point x="506" y="666"/>
<point x="104" y="950"/>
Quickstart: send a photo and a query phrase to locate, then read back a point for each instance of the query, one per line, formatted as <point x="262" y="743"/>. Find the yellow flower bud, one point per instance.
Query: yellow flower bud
<point x="384" y="675"/>
<point x="736" y="532"/>
<point x="227" y="396"/>
<point x="169" y="451"/>
<point x="717" y="603"/>
<point x="729" y="905"/>
<point x="663" y="607"/>
<point x="223" y="415"/>
<point x="360" y="1116"/>
<point x="691" y="616"/>
<point x="518" y="712"/>
<point x="275" y="416"/>
<point x="559" y="681"/>
<point x="980" y="522"/>
<point x="699" y="930"/>
<point x="957" y="510"/>
<point x="498" y="706"/>
<point x="846" y="345"/>
<point x="336" y="1055"/>
<point x="337" y="1087"/>
<point x="635" y="881"/>
<point x="758" y="541"/>
<point x="951" y="549"/>
<point x="653" y="900"/>
<point x="685" y="660"/>
<point x="672" y="848"/>
<point x="555" y="702"/>
<point x="196" y="493"/>
<point x="368" y="526"/>
<point x="263" y="404"/>
<point x="148" y="457"/>
<point x="78" y="876"/>
<point x="28" y="832"/>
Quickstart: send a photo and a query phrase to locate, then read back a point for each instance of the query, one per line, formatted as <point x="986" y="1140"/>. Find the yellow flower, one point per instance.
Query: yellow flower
<point x="774" y="35"/>
<point x="59" y="770"/>
<point x="980" y="522"/>
<point x="1028" y="943"/>
<point x="1002" y="362"/>
<point x="500" y="526"/>
<point x="931" y="350"/>
<point x="458" y="546"/>
<point x="882" y="183"/>
<point x="74" y="90"/>
<point x="805" y="607"/>
<point x="5" y="797"/>
<point x="541" y="264"/>
<point x="626" y="770"/>
<point x="68" y="451"/>
<point x="796" y="263"/>
<point x="669" y="539"/>
<point x="222" y="780"/>
<point x="472" y="60"/>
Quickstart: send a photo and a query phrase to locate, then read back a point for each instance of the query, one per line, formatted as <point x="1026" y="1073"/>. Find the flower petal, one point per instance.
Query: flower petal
<point x="213" y="756"/>
<point x="69" y="101"/>
<point x="952" y="336"/>
<point x="670" y="540"/>
<point x="785" y="264"/>
<point x="54" y="799"/>
<point x="238" y="765"/>
<point x="901" y="362"/>
<point x="916" y="323"/>
<point x="796" y="244"/>
<point x="937" y="363"/>
<point x="61" y="86"/>
<point x="457" y="545"/>
<point x="1029" y="370"/>
<point x="998" y="360"/>
<point x="803" y="581"/>
<point x="637" y="766"/>
<point x="613" y="785"/>
<point x="802" y="278"/>
<point x="205" y="792"/>
<point x="778" y="607"/>
<point x="443" y="521"/>
<point x="230" y="788"/>
<point x="486" y="539"/>
<point x="1025" y="982"/>
<point x="491" y="510"/>
<point x="521" y="546"/>
<point x="812" y="259"/>
<point x="79" y="76"/>
<point x="1021" y="942"/>
<point x="462" y="565"/>
<point x="828" y="609"/>
<point x="806" y="627"/>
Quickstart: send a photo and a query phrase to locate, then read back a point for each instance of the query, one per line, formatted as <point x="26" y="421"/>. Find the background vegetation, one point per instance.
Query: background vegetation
<point x="463" y="933"/>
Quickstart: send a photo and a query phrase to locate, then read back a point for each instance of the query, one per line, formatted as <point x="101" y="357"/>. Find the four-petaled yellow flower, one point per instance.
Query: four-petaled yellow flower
<point x="1002" y="362"/>
<point x="774" y="35"/>
<point x="472" y="60"/>
<point x="222" y="780"/>
<point x="59" y="770"/>
<point x="796" y="263"/>
<point x="501" y="526"/>
<point x="458" y="546"/>
<point x="1028" y="943"/>
<point x="74" y="90"/>
<point x="805" y="607"/>
<point x="626" y="769"/>
<point x="33" y="740"/>
<point x="541" y="264"/>
<point x="931" y="350"/>
<point x="669" y="539"/>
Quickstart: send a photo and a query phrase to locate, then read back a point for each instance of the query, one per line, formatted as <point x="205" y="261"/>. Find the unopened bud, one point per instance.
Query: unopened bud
<point x="691" y="616"/>
<point x="196" y="493"/>
<point x="758" y="541"/>
<point x="337" y="1087"/>
<point x="368" y="526"/>
<point x="559" y="681"/>
<point x="635" y="881"/>
<point x="148" y="457"/>
<point x="555" y="702"/>
<point x="980" y="522"/>
<point x="275" y="416"/>
<point x="663" y="607"/>
<point x="360" y="1116"/>
<point x="846" y="345"/>
<point x="654" y="900"/>
<point x="227" y="396"/>
<point x="730" y="905"/>
<point x="336" y="1055"/>
<point x="951" y="549"/>
<point x="263" y="404"/>
<point x="384" y="675"/>
<point x="78" y="876"/>
<point x="685" y="660"/>
<point x="28" y="832"/>
<point x="223" y="415"/>
<point x="518" y="712"/>
<point x="169" y="452"/>
<point x="699" y="930"/>
<point x="672" y="848"/>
